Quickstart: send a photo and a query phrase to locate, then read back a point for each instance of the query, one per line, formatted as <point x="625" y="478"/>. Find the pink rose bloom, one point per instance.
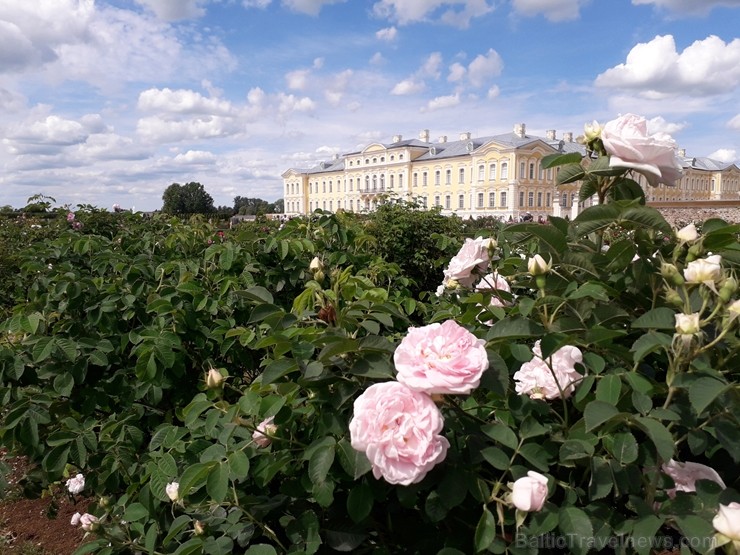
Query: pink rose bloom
<point x="686" y="474"/>
<point x="70" y="216"/>
<point x="494" y="282"/>
<point x="441" y="358"/>
<point x="529" y="492"/>
<point x="629" y="146"/>
<point x="399" y="431"/>
<point x="264" y="427"/>
<point x="76" y="485"/>
<point x="540" y="379"/>
<point x="472" y="259"/>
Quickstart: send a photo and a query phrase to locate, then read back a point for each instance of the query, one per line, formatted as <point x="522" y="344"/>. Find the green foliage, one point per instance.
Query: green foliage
<point x="103" y="362"/>
<point x="191" y="198"/>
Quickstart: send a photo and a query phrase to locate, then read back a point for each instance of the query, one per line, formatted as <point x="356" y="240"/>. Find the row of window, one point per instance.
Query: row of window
<point x="375" y="160"/>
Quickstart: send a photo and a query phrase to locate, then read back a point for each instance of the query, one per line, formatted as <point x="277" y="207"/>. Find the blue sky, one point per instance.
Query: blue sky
<point x="111" y="101"/>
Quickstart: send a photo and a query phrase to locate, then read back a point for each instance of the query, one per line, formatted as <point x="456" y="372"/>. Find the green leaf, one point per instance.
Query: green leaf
<point x="320" y="463"/>
<point x="43" y="349"/>
<point x="217" y="484"/>
<point x="276" y="369"/>
<point x="258" y="293"/>
<point x="239" y="465"/>
<point x="68" y="347"/>
<point x="536" y="455"/>
<point x="516" y="327"/>
<point x="485" y="531"/>
<point x="648" y="343"/>
<point x="134" y="512"/>
<point x="609" y="388"/>
<point x="434" y="507"/>
<point x="359" y="502"/>
<point x="643" y="533"/>
<point x="190" y="547"/>
<point x="262" y="311"/>
<point x="575" y="449"/>
<point x="496" y="458"/>
<point x="576" y="527"/>
<point x="570" y="173"/>
<point x="601" y="479"/>
<point x="177" y="526"/>
<point x="553" y="160"/>
<point x="64" y="384"/>
<point x="698" y="532"/>
<point x="354" y="463"/>
<point x="622" y="446"/>
<point x="704" y="391"/>
<point x="502" y="434"/>
<point x="658" y="434"/>
<point x="598" y="412"/>
<point x="194" y="477"/>
<point x="657" y="318"/>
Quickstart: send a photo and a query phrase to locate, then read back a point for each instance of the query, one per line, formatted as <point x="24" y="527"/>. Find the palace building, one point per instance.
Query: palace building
<point x="498" y="175"/>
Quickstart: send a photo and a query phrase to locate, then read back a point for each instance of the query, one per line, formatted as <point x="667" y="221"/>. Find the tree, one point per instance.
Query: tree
<point x="251" y="206"/>
<point x="278" y="207"/>
<point x="190" y="198"/>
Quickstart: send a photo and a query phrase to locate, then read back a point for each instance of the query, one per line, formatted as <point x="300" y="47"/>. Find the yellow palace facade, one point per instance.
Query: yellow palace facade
<point x="498" y="175"/>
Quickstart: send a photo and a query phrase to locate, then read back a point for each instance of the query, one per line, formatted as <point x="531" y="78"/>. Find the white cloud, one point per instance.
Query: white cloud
<point x="431" y="66"/>
<point x="442" y="102"/>
<point x="51" y="134"/>
<point x="689" y="6"/>
<point x="457" y="72"/>
<point x="195" y="157"/>
<point x="173" y="10"/>
<point x="11" y="102"/>
<point x="288" y="103"/>
<point x="484" y="67"/>
<point x="734" y="123"/>
<point x="451" y="12"/>
<point x="318" y="63"/>
<point x="706" y="67"/>
<point x="337" y="86"/>
<point x="260" y="4"/>
<point x="159" y="129"/>
<point x="407" y="86"/>
<point x="377" y="59"/>
<point x="297" y="79"/>
<point x="724" y="155"/>
<point x="553" y="10"/>
<point x="493" y="92"/>
<point x="388" y="34"/>
<point x="182" y="102"/>
<point x="309" y="7"/>
<point x="658" y="124"/>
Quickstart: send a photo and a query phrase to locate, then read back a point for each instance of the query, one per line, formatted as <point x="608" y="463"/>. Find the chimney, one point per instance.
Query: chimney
<point x="520" y="130"/>
<point x="465" y="136"/>
<point x="442" y="139"/>
<point x="424" y="135"/>
<point x="568" y="137"/>
<point x="397" y="138"/>
<point x="551" y="134"/>
<point x="682" y="153"/>
<point x="335" y="157"/>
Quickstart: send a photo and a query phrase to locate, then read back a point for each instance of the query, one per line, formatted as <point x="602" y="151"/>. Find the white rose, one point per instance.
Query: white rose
<point x="214" y="379"/>
<point x="76" y="485"/>
<point x="592" y="131"/>
<point x="687" y="234"/>
<point x="536" y="265"/>
<point x="629" y="146"/>
<point x="727" y="521"/>
<point x="173" y="491"/>
<point x="704" y="270"/>
<point x="687" y="324"/>
<point x="87" y="520"/>
<point x="529" y="492"/>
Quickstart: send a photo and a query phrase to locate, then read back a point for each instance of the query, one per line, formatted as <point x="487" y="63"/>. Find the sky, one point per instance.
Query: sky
<point x="108" y="102"/>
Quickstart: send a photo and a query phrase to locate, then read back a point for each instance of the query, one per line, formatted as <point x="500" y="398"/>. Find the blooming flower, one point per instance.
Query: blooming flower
<point x="629" y="146"/>
<point x="687" y="324"/>
<point x="87" y="520"/>
<point x="76" y="485"/>
<point x="75" y="519"/>
<point x="686" y="474"/>
<point x="441" y="358"/>
<point x="399" y="431"/>
<point x="529" y="492"/>
<point x="704" y="270"/>
<point x="544" y="379"/>
<point x="265" y="427"/>
<point x="472" y="259"/>
<point x="537" y="266"/>
<point x="494" y="282"/>
<point x="173" y="491"/>
<point x="70" y="216"/>
<point x="591" y="131"/>
<point x="727" y="521"/>
<point x="687" y="234"/>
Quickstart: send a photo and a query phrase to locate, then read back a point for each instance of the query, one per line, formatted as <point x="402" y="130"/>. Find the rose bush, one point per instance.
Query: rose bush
<point x="106" y="353"/>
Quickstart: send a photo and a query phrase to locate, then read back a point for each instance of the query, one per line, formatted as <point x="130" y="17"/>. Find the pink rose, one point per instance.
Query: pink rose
<point x="542" y="379"/>
<point x="629" y="146"/>
<point x="441" y="358"/>
<point x="529" y="492"/>
<point x="686" y="474"/>
<point x="399" y="431"/>
<point x="70" y="216"/>
<point x="264" y="428"/>
<point x="494" y="282"/>
<point x="472" y="259"/>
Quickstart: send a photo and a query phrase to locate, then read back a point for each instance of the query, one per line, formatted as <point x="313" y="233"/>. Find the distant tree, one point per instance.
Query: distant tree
<point x="190" y="198"/>
<point x="251" y="206"/>
<point x="278" y="207"/>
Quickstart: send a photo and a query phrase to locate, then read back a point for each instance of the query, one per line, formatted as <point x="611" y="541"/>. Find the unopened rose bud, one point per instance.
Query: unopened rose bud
<point x="315" y="264"/>
<point x="198" y="528"/>
<point x="537" y="266"/>
<point x="729" y="286"/>
<point x="591" y="131"/>
<point x="687" y="234"/>
<point x="671" y="274"/>
<point x="173" y="491"/>
<point x="214" y="379"/>
<point x="319" y="276"/>
<point x="673" y="297"/>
